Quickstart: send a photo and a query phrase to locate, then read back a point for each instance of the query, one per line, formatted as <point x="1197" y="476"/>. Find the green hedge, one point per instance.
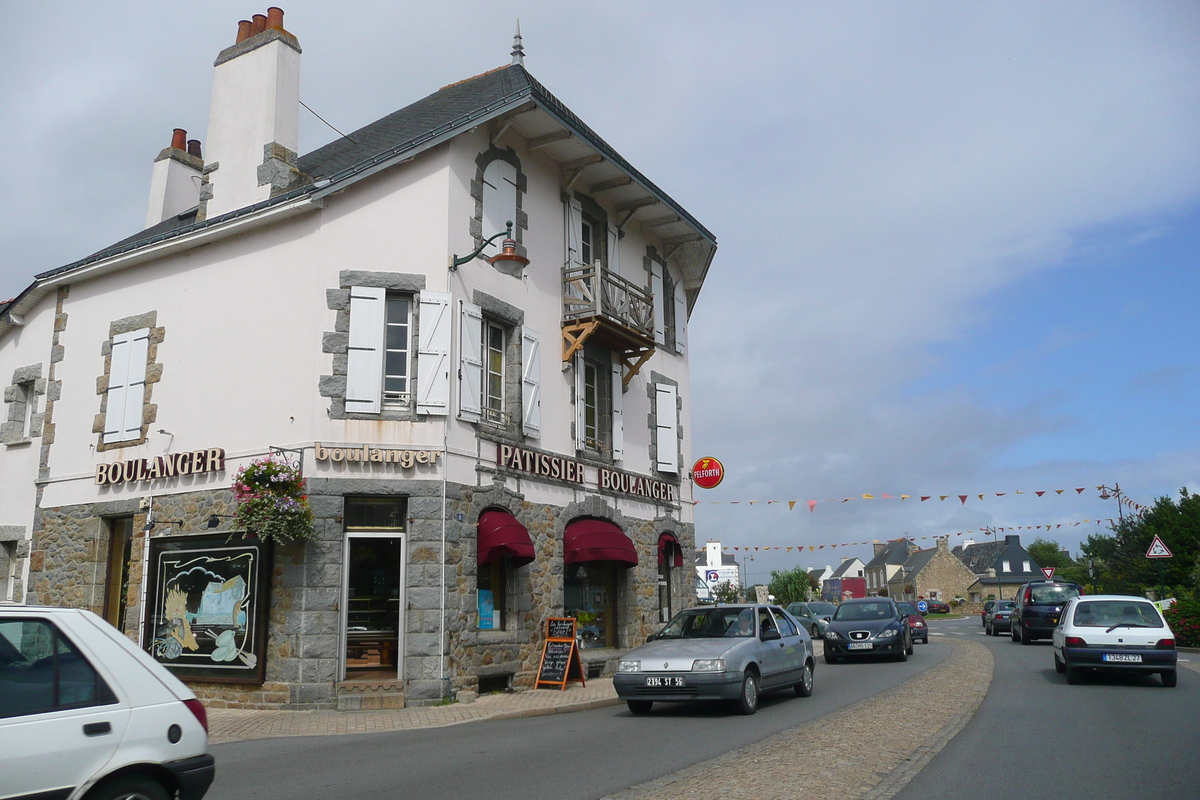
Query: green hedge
<point x="1184" y="619"/>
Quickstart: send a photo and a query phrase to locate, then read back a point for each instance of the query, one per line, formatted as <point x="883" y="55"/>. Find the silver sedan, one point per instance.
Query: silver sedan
<point x="722" y="652"/>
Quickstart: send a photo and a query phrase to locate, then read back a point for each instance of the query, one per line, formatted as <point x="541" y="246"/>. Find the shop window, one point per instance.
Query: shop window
<point x="492" y="590"/>
<point x="116" y="586"/>
<point x="665" y="610"/>
<point x="590" y="596"/>
<point x="375" y="513"/>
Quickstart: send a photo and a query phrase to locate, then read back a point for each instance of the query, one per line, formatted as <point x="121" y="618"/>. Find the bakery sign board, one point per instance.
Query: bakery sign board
<point x="172" y="465"/>
<point x="545" y="465"/>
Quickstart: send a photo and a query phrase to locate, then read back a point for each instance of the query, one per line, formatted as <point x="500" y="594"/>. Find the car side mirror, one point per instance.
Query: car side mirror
<point x="771" y="635"/>
<point x="651" y="638"/>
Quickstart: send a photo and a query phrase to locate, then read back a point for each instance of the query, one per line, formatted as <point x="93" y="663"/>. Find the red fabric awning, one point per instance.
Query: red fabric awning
<point x="597" y="540"/>
<point x="501" y="535"/>
<point x="669" y="550"/>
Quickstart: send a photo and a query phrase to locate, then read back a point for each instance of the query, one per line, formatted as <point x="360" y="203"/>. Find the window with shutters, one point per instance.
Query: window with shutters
<point x="131" y="369"/>
<point x="493" y="374"/>
<point x="396" y="362"/>
<point x="664" y="396"/>
<point x="599" y="425"/>
<point x="498" y="368"/>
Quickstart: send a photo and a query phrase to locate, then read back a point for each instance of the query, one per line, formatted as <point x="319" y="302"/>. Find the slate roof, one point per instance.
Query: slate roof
<point x="453" y="108"/>
<point x="981" y="557"/>
<point x="895" y="553"/>
<point x="917" y="561"/>
<point x="840" y="572"/>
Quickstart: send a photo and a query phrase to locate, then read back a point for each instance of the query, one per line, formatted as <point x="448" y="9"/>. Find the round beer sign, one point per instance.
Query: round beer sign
<point x="707" y="473"/>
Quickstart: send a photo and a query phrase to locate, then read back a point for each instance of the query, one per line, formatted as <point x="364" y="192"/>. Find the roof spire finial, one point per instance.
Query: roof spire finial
<point x="518" y="51"/>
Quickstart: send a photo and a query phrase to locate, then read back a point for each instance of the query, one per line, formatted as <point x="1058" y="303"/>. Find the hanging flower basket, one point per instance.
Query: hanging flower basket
<point x="272" y="503"/>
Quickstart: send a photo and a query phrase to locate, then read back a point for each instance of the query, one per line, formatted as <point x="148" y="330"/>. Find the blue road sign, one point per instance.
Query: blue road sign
<point x="922" y="606"/>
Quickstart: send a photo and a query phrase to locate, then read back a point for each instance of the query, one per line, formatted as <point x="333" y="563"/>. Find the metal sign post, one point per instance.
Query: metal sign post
<point x="1158" y="551"/>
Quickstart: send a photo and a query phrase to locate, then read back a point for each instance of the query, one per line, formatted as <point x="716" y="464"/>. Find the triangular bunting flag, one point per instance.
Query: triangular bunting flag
<point x="791" y="504"/>
<point x="1039" y="494"/>
<point x="1059" y="491"/>
<point x="942" y="496"/>
<point x="980" y="497"/>
<point x="811" y="505"/>
<point x="811" y="548"/>
<point x="888" y="496"/>
<point x="1080" y="490"/>
<point x="1019" y="492"/>
<point x="905" y="496"/>
<point x="963" y="499"/>
<point x="868" y="497"/>
<point x="1001" y="494"/>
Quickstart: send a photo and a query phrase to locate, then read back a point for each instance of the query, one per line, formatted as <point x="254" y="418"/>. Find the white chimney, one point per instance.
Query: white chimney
<point x="713" y="553"/>
<point x="175" y="182"/>
<point x="254" y="120"/>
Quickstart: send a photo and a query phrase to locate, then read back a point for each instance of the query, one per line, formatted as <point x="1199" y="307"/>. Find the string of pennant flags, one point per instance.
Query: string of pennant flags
<point x="813" y="547"/>
<point x="921" y="498"/>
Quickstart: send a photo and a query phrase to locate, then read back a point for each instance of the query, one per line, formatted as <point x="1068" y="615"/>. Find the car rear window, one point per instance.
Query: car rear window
<point x="1106" y="613"/>
<point x="1003" y="605"/>
<point x="1052" y="593"/>
<point x="822" y="609"/>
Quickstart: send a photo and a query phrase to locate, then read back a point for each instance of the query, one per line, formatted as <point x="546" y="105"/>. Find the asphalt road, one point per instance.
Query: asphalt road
<point x="1114" y="736"/>
<point x="586" y="754"/>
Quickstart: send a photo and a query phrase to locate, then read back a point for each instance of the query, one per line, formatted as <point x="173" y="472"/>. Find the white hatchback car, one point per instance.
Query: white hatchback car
<point x="1113" y="632"/>
<point x="85" y="714"/>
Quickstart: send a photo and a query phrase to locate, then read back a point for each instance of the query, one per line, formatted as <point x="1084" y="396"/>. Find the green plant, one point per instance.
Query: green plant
<point x="272" y="503"/>
<point x="1184" y="618"/>
<point x="725" y="592"/>
<point x="789" y="586"/>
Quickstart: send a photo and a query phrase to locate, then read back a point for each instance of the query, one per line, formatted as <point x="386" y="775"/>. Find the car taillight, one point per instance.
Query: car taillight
<point x="1028" y="596"/>
<point x="1165" y="644"/>
<point x="197" y="709"/>
<point x="1075" y="641"/>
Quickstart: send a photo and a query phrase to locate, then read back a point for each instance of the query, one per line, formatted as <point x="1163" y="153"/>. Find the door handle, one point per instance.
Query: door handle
<point x="96" y="728"/>
<point x="781" y="644"/>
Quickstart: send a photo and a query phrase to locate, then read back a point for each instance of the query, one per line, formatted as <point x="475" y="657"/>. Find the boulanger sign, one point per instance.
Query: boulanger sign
<point x="194" y="462"/>
<point x="565" y="469"/>
<point x="377" y="455"/>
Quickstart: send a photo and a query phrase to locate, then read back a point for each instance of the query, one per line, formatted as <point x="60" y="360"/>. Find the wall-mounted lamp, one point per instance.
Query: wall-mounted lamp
<point x="507" y="260"/>
<point x="214" y="520"/>
<point x="151" y="524"/>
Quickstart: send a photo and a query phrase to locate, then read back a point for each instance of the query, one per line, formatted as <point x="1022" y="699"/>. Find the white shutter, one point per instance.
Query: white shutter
<point x="656" y="287"/>
<point x="574" y="233"/>
<point x="499" y="200"/>
<point x="433" y="354"/>
<point x="118" y="387"/>
<point x="531" y="383"/>
<point x="580" y="437"/>
<point x="680" y="314"/>
<point x="364" y="358"/>
<point x="614" y="249"/>
<point x="618" y="412"/>
<point x="666" y="436"/>
<point x="135" y="394"/>
<point x="470" y="362"/>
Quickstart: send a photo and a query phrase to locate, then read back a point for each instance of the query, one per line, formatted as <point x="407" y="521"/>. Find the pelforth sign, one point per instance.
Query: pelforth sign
<point x="708" y="472"/>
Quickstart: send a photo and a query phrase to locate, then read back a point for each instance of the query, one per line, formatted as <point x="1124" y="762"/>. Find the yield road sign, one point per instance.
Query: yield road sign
<point x="1158" y="549"/>
<point x="1048" y="572"/>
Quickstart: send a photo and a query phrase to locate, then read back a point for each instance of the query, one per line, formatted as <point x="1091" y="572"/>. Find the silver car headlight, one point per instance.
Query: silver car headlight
<point x="708" y="665"/>
<point x="629" y="666"/>
<point x="888" y="634"/>
<point x="832" y="635"/>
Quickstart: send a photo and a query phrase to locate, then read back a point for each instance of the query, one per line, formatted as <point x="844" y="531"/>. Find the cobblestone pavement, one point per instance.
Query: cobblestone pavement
<point x="867" y="751"/>
<point x="232" y="725"/>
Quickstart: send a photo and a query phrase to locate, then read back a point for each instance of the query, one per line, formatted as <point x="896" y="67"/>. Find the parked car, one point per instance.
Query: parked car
<point x="999" y="618"/>
<point x="867" y="626"/>
<point x="727" y="652"/>
<point x="918" y="628"/>
<point x="83" y="711"/>
<point x="937" y="607"/>
<point x="810" y="618"/>
<point x="1114" y="632"/>
<point x="987" y="607"/>
<point x="1037" y="607"/>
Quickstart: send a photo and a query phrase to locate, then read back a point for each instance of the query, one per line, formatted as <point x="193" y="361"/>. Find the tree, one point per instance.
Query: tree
<point x="1048" y="554"/>
<point x="789" y="586"/>
<point x="725" y="592"/>
<point x="1126" y="570"/>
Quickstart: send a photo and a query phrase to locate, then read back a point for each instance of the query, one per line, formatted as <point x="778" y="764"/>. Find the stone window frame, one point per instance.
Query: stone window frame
<point x="512" y="319"/>
<point x="521" y="223"/>
<point x="24" y="421"/>
<point x="153" y="375"/>
<point x="14" y="547"/>
<point x="337" y="341"/>
<point x="652" y="422"/>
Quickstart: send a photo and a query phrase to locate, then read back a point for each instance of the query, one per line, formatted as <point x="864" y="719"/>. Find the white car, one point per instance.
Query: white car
<point x="1113" y="632"/>
<point x="85" y="713"/>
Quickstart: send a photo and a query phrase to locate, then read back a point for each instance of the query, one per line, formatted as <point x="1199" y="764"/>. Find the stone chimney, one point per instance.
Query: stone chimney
<point x="175" y="181"/>
<point x="943" y="543"/>
<point x="254" y="119"/>
<point x="879" y="547"/>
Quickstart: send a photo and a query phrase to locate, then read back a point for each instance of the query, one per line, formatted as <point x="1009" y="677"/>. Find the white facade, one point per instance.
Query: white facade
<point x="257" y="331"/>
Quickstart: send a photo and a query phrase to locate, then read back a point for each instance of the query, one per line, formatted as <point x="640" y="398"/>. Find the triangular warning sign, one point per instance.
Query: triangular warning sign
<point x="1048" y="572"/>
<point x="1158" y="549"/>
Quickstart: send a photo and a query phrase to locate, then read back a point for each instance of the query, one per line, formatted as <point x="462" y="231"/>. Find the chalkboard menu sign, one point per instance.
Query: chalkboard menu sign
<point x="560" y="662"/>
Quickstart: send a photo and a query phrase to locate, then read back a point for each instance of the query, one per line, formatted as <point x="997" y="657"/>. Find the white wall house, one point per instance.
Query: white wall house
<point x="485" y="445"/>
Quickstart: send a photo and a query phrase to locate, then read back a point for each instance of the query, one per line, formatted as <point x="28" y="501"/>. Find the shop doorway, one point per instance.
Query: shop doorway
<point x="373" y="640"/>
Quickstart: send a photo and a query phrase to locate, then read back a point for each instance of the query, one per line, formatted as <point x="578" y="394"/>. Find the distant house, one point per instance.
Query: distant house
<point x="934" y="574"/>
<point x="847" y="578"/>
<point x="1000" y="566"/>
<point x="715" y="566"/>
<point x="820" y="574"/>
<point x="889" y="559"/>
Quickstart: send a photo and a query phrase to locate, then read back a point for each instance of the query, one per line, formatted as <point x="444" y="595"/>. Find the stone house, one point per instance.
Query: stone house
<point x="487" y="441"/>
<point x="934" y="574"/>
<point x="889" y="559"/>
<point x="1000" y="566"/>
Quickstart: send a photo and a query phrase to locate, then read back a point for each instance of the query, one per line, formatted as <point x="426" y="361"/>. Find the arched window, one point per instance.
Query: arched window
<point x="499" y="200"/>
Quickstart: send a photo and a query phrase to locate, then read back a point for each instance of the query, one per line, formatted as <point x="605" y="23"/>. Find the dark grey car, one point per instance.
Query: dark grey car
<point x="868" y="626"/>
<point x="721" y="652"/>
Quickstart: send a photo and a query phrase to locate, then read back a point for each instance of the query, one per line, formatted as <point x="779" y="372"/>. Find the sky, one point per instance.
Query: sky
<point x="958" y="242"/>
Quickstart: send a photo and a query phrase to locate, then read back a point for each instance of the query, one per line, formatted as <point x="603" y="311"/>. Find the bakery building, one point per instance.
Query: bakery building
<point x="465" y="324"/>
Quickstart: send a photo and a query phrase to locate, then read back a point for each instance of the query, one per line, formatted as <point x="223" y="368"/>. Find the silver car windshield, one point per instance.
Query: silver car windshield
<point x="710" y="623"/>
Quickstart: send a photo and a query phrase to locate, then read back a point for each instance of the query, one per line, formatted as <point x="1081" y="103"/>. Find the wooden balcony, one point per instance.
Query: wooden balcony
<point x="611" y="311"/>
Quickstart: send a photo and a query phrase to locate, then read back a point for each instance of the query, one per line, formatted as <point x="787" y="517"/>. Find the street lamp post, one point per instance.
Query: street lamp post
<point x="745" y="575"/>
<point x="1115" y="491"/>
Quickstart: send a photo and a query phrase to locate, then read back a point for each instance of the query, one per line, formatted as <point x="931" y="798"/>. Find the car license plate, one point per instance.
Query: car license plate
<point x="1130" y="658"/>
<point x="668" y="681"/>
<point x="860" y="646"/>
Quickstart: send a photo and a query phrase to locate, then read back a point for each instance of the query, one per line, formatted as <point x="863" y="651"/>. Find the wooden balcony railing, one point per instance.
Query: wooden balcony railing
<point x="592" y="292"/>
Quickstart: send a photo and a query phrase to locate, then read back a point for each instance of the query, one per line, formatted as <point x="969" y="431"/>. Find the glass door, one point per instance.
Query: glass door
<point x="374" y="630"/>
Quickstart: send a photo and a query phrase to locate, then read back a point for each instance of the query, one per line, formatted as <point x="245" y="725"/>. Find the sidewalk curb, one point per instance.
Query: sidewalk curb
<point x="545" y="712"/>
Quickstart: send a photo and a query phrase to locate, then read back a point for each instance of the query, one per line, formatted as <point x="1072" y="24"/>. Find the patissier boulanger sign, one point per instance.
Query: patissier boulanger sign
<point x="545" y="465"/>
<point x="172" y="465"/>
